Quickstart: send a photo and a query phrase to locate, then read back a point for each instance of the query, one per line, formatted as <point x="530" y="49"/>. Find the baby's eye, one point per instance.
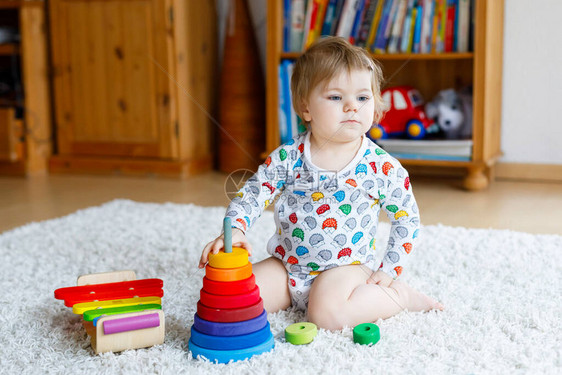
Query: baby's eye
<point x="363" y="98"/>
<point x="334" y="97"/>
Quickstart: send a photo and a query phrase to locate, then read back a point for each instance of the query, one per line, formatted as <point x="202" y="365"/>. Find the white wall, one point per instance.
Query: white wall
<point x="532" y="82"/>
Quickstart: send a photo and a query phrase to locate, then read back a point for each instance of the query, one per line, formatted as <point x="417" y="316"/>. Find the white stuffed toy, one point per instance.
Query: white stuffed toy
<point x="452" y="116"/>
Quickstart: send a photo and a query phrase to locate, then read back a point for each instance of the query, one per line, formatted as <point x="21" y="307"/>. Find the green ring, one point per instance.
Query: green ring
<point x="366" y="334"/>
<point x="301" y="333"/>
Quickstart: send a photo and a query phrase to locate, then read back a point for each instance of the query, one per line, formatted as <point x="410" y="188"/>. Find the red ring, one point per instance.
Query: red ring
<point x="230" y="302"/>
<point x="227" y="288"/>
<point x="229" y="315"/>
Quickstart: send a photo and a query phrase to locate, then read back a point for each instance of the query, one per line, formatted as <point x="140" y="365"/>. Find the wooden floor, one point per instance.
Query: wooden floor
<point x="521" y="206"/>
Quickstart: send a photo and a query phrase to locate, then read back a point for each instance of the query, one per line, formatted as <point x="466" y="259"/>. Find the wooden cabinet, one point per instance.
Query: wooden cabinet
<point x="25" y="114"/>
<point x="429" y="73"/>
<point x="134" y="85"/>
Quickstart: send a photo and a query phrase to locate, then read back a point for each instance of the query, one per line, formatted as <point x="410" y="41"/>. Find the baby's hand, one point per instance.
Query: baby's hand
<point x="238" y="240"/>
<point x="381" y="278"/>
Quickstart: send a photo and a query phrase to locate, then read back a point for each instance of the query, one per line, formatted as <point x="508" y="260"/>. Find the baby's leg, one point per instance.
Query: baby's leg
<point x="271" y="277"/>
<point x="341" y="297"/>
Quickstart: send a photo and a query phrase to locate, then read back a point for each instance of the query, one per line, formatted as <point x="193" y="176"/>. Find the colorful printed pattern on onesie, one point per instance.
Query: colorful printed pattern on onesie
<point x="326" y="219"/>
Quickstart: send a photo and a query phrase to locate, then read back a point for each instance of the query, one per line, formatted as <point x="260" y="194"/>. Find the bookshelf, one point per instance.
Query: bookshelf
<point x="25" y="112"/>
<point x="429" y="73"/>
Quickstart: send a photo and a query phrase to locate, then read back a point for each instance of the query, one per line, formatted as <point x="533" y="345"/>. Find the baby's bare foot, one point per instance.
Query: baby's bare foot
<point x="414" y="300"/>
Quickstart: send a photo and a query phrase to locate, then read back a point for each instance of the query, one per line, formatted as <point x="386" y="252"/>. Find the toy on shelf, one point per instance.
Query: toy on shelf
<point x="452" y="112"/>
<point x="405" y="115"/>
<point x="230" y="323"/>
<point x="301" y="333"/>
<point x="366" y="334"/>
<point x="118" y="311"/>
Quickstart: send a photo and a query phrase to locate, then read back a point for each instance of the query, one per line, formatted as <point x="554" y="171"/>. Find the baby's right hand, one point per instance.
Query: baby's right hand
<point x="238" y="240"/>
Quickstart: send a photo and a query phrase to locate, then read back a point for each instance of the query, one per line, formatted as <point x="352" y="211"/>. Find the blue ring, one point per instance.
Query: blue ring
<point x="230" y="342"/>
<point x="225" y="356"/>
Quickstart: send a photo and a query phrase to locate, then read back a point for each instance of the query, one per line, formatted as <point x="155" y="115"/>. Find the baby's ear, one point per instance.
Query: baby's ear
<point x="305" y="112"/>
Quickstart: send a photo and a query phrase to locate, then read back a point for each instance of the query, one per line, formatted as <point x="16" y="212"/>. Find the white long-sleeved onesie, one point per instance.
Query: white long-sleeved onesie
<point x="326" y="219"/>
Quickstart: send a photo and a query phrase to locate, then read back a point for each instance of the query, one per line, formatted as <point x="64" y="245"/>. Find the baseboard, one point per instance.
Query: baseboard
<point x="129" y="166"/>
<point x="530" y="172"/>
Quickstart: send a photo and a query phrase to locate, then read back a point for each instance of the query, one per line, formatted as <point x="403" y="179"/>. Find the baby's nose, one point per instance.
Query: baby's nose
<point x="351" y="105"/>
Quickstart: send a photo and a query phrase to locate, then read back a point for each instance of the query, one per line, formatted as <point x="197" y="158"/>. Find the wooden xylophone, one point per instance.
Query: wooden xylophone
<point x="119" y="312"/>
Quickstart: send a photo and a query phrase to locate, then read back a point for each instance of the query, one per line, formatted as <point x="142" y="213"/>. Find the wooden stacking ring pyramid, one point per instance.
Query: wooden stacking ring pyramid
<point x="230" y="323"/>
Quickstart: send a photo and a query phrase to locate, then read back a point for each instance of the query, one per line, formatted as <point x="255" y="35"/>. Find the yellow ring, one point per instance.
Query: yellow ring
<point x="238" y="258"/>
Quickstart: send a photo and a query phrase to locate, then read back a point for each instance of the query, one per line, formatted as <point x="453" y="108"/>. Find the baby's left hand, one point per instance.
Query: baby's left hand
<point x="381" y="278"/>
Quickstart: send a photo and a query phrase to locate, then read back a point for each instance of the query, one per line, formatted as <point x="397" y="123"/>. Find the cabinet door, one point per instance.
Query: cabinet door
<point x="111" y="72"/>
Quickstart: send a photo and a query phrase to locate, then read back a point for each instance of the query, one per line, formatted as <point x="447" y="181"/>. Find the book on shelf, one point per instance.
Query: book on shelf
<point x="347" y="17"/>
<point x="366" y="22"/>
<point x="396" y="30"/>
<point x="359" y="15"/>
<point x="289" y="123"/>
<point x="382" y="26"/>
<point x="434" y="149"/>
<point x="463" y="29"/>
<point x="296" y="31"/>
<point x="450" y="25"/>
<point x="282" y="110"/>
<point x="427" y="26"/>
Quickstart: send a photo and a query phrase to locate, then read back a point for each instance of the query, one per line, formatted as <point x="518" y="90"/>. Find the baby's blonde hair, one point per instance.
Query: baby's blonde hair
<point x="323" y="61"/>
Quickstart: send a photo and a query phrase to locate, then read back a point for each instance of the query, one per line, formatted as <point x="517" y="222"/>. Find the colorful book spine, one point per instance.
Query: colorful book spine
<point x="379" y="45"/>
<point x="417" y="29"/>
<point x="369" y="14"/>
<point x="425" y="42"/>
<point x="282" y="114"/>
<point x="359" y="15"/>
<point x="297" y="25"/>
<point x="316" y="21"/>
<point x="347" y="18"/>
<point x="293" y="120"/>
<point x="374" y="24"/>
<point x="391" y="20"/>
<point x="440" y="47"/>
<point x="337" y="17"/>
<point x="397" y="27"/>
<point x="456" y="27"/>
<point x="450" y="26"/>
<point x="329" y="18"/>
<point x="464" y="25"/>
<point x="406" y="29"/>
<point x="286" y="25"/>
<point x="435" y="27"/>
<point x="412" y="29"/>
<point x="310" y="18"/>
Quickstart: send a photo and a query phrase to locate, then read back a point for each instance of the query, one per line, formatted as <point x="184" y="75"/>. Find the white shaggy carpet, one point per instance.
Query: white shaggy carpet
<point x="501" y="290"/>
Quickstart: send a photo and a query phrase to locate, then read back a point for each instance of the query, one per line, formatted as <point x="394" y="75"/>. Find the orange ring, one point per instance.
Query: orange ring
<point x="228" y="274"/>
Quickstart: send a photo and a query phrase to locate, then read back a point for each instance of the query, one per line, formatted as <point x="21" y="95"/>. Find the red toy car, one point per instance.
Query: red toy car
<point x="405" y="115"/>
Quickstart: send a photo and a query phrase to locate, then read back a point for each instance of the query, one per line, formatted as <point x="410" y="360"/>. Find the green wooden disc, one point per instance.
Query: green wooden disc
<point x="366" y="333"/>
<point x="301" y="333"/>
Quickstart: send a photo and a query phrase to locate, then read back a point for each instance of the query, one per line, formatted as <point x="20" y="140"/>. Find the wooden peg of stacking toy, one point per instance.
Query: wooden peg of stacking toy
<point x="228" y="257"/>
<point x="227" y="229"/>
<point x="301" y="333"/>
<point x="366" y="334"/>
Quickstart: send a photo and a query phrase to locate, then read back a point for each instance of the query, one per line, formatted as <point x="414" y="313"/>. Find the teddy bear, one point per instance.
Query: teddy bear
<point x="452" y="112"/>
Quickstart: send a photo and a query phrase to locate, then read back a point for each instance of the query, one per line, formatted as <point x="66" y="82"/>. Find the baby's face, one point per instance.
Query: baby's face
<point x="343" y="110"/>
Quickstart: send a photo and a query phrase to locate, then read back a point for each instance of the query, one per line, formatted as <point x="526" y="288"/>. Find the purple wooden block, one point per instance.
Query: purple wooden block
<point x="131" y="323"/>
